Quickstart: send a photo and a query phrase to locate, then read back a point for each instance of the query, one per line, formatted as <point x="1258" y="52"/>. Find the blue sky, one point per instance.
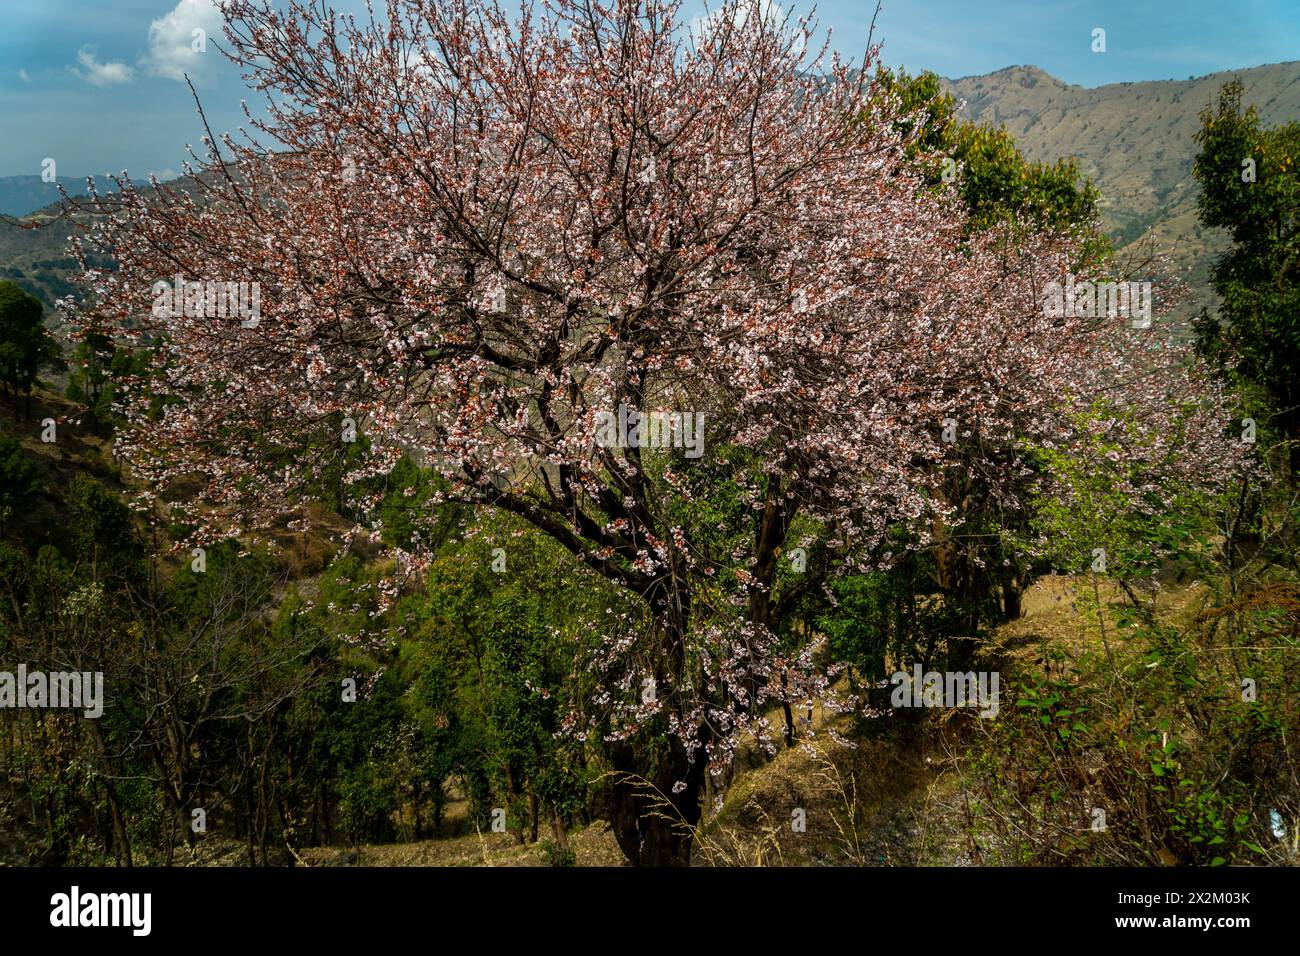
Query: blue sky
<point x="96" y="84"/>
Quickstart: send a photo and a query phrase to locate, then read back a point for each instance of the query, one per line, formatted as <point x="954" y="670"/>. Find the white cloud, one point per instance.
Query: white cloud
<point x="22" y="75"/>
<point x="101" y="74"/>
<point x="172" y="40"/>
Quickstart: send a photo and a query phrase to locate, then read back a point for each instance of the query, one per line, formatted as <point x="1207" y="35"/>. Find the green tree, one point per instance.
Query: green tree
<point x="995" y="181"/>
<point x="104" y="532"/>
<point x="90" y="374"/>
<point x="26" y="346"/>
<point x="18" y="478"/>
<point x="1250" y="185"/>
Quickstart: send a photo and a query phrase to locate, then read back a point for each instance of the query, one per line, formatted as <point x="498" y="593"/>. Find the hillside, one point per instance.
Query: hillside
<point x="1135" y="140"/>
<point x="20" y="195"/>
<point x="23" y="195"/>
<point x="38" y="258"/>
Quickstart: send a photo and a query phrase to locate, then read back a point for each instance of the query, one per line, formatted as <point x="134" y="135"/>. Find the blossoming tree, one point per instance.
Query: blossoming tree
<point x="476" y="235"/>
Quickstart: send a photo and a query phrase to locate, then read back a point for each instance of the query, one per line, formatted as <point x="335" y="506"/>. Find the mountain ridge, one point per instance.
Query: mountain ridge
<point x="1135" y="141"/>
<point x="24" y="195"/>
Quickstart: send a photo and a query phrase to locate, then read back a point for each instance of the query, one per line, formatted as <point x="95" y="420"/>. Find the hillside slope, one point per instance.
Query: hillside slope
<point x="1134" y="140"/>
<point x="23" y="195"/>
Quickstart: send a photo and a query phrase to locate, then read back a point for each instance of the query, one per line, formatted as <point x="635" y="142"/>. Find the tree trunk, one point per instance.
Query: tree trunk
<point x="1012" y="607"/>
<point x="654" y="819"/>
<point x="653" y="825"/>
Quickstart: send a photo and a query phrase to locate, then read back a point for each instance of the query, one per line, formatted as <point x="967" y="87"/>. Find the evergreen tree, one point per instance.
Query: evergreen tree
<point x="1250" y="185"/>
<point x="26" y="346"/>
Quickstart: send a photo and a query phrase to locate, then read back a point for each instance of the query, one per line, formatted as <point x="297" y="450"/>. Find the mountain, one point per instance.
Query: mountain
<point x="37" y="258"/>
<point x="1134" y="140"/>
<point x="21" y="195"/>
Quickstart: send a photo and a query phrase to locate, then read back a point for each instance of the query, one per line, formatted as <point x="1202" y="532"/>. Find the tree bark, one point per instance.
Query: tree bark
<point x="653" y="818"/>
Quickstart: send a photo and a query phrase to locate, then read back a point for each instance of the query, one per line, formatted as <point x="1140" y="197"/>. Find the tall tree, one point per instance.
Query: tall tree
<point x="1250" y="185"/>
<point x="90" y="375"/>
<point x="19" y="479"/>
<point x="26" y="347"/>
<point x="491" y="236"/>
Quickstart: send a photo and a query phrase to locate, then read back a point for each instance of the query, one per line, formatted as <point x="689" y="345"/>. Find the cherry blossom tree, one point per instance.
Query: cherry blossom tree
<point x="475" y="235"/>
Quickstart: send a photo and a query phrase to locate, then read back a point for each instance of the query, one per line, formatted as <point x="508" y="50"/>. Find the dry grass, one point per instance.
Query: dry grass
<point x="592" y="846"/>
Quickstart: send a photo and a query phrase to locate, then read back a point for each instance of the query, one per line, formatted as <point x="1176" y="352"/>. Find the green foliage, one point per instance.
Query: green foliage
<point x="1160" y="739"/>
<point x="332" y="482"/>
<point x="406" y="491"/>
<point x="883" y="615"/>
<point x="557" y="855"/>
<point x="1250" y="185"/>
<point x="96" y="366"/>
<point x="996" y="183"/>
<point x="26" y="347"/>
<point x="514" y="636"/>
<point x="103" y="531"/>
<point x="19" y="482"/>
<point x="1092" y="501"/>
